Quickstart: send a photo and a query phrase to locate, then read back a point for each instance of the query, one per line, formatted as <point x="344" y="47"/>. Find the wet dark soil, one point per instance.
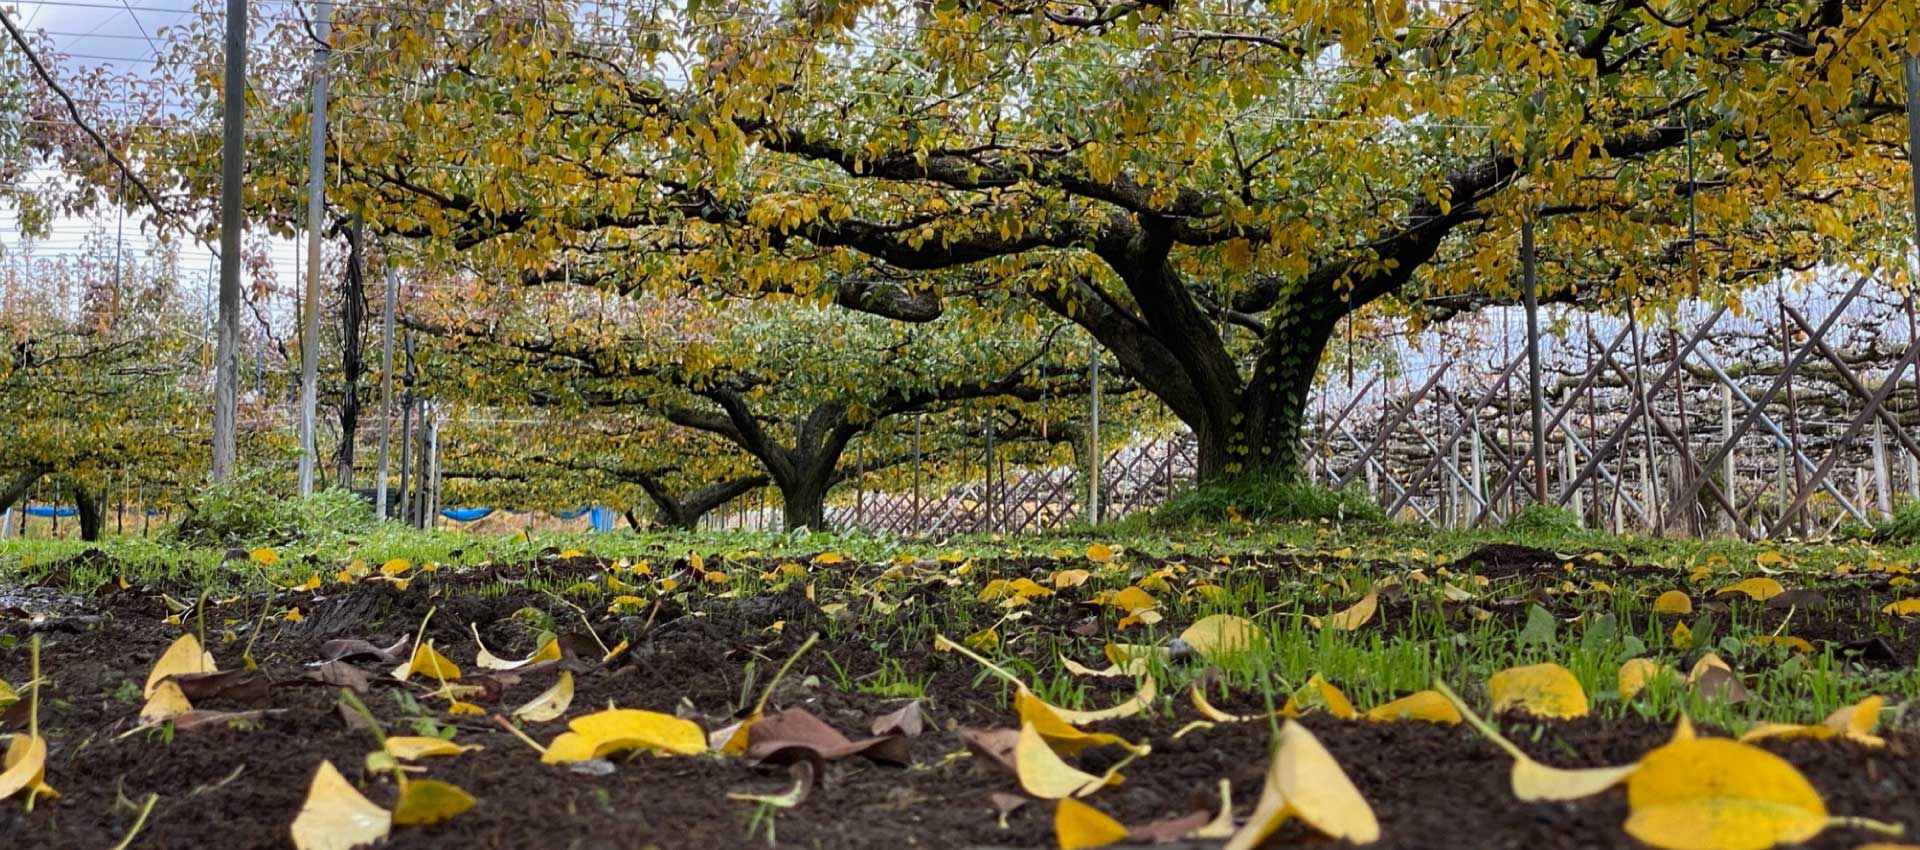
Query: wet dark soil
<point x="239" y="786"/>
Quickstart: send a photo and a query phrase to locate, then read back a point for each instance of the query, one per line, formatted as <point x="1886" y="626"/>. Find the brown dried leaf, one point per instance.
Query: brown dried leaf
<point x="239" y="684"/>
<point x="197" y="718"/>
<point x="354" y="649"/>
<point x="991" y="747"/>
<point x="773" y="738"/>
<point x="906" y="720"/>
<point x="340" y="674"/>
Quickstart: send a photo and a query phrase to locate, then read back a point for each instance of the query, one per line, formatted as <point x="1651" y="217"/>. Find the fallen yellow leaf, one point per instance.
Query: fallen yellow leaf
<point x="620" y="729"/>
<point x="184" y="655"/>
<point x="1077" y="826"/>
<point x="414" y="747"/>
<point x="427" y="661"/>
<point x="1044" y="775"/>
<point x="1532" y="781"/>
<point x="1794" y="643"/>
<point x="1133" y="600"/>
<point x="1429" y="706"/>
<point x="1318" y="693"/>
<point x="551" y="703"/>
<point x="1637" y="673"/>
<point x="1221" y="635"/>
<point x="165" y="703"/>
<point x="1100" y="553"/>
<point x="1070" y="578"/>
<point x="1682" y="636"/>
<point x="429" y="801"/>
<point x="1902" y="608"/>
<point x="26" y="764"/>
<point x="1673" y="602"/>
<point x="1064" y="737"/>
<point x="1543" y="690"/>
<point x="1757" y="589"/>
<point x="335" y="816"/>
<point x="1357" y="615"/>
<point x="1304" y="781"/>
<point x="1141" y="699"/>
<point x="1717" y="794"/>
<point x="486" y="660"/>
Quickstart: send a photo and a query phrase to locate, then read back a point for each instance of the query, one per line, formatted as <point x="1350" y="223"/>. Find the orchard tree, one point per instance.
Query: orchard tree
<point x="1208" y="187"/>
<point x="789" y="387"/>
<point x="644" y="466"/>
<point x="100" y="379"/>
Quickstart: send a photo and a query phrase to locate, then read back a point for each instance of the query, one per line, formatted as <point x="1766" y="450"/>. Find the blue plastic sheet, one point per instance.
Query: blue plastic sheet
<point x="465" y="514"/>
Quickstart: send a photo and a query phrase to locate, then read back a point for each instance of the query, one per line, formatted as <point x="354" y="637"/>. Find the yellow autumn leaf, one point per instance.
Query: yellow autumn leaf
<point x="1357" y="615"/>
<point x="1065" y="738"/>
<point x="986" y="639"/>
<point x="165" y="703"/>
<point x="1532" y="781"/>
<point x="395" y="567"/>
<point x="7" y="695"/>
<point x="264" y="556"/>
<point x="1770" y="559"/>
<point x="1221" y="635"/>
<point x="1858" y="721"/>
<point x="827" y="558"/>
<point x="1100" y="553"/>
<point x="620" y="729"/>
<point x="1027" y="588"/>
<point x="1681" y="637"/>
<point x="1064" y="579"/>
<point x="1198" y="697"/>
<point x="1673" y="602"/>
<point x="1139" y="702"/>
<point x="26" y="764"/>
<point x="1428" y="706"/>
<point x="427" y="662"/>
<point x="1304" y="781"/>
<point x="1718" y="794"/>
<point x="551" y="703"/>
<point x="1757" y="589"/>
<point x="429" y="801"/>
<point x="1637" y="673"/>
<point x="1902" y="608"/>
<point x="1132" y="600"/>
<point x="415" y="747"/>
<point x="486" y="660"/>
<point x="1789" y="641"/>
<point x="184" y="655"/>
<point x="335" y="816"/>
<point x="1044" y="775"/>
<point x="1318" y="693"/>
<point x="1543" y="690"/>
<point x="1077" y="826"/>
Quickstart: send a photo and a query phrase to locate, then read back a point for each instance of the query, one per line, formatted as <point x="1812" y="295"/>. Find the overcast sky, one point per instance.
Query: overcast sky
<point x="121" y="35"/>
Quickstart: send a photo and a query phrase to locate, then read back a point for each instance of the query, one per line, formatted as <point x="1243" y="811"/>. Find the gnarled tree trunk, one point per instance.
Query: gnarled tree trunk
<point x="91" y="506"/>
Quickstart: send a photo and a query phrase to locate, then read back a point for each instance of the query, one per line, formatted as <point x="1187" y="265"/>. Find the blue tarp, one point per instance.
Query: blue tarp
<point x="45" y="512"/>
<point x="601" y="518"/>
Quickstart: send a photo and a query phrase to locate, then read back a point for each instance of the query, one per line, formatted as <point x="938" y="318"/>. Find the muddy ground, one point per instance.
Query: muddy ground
<point x="239" y="785"/>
